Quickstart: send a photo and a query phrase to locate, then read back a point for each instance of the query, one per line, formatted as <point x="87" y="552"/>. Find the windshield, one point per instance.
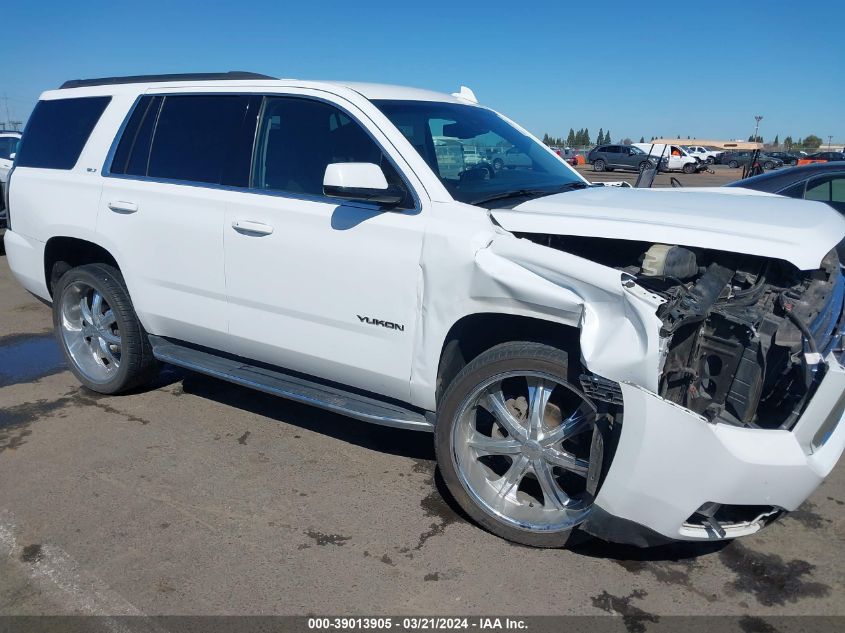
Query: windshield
<point x="477" y="155"/>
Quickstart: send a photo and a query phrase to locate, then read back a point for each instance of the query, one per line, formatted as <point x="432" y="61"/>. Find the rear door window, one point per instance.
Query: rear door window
<point x="197" y="137"/>
<point x="58" y="130"/>
<point x="133" y="151"/>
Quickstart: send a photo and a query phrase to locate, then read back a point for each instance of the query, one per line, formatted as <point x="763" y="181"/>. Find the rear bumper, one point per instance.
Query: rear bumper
<point x="670" y="462"/>
<point x="26" y="259"/>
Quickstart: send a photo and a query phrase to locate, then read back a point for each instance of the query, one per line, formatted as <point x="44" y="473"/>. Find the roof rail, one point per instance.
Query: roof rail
<point x="143" y="79"/>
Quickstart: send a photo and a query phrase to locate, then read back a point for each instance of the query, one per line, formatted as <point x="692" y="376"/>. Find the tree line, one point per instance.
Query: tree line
<point x="581" y="138"/>
<point x="808" y="142"/>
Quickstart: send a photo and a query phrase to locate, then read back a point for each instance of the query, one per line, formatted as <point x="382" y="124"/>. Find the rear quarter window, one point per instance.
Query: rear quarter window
<point x="58" y="130"/>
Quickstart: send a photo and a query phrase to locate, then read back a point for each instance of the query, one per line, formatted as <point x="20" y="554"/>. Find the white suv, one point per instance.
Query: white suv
<point x="642" y="365"/>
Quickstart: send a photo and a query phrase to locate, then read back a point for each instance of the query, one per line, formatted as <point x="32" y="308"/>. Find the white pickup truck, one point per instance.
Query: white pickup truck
<point x="676" y="157"/>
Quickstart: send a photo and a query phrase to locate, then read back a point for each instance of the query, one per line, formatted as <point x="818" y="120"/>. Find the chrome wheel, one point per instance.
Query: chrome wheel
<point x="521" y="448"/>
<point x="90" y="332"/>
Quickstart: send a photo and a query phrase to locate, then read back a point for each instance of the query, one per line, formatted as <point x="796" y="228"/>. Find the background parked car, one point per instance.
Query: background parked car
<point x="743" y="158"/>
<point x="510" y="159"/>
<point x="822" y="157"/>
<point x="566" y="153"/>
<point x="9" y="141"/>
<point x="707" y="154"/>
<point x="8" y="146"/>
<point x="628" y="157"/>
<point x="824" y="182"/>
<point x="788" y="158"/>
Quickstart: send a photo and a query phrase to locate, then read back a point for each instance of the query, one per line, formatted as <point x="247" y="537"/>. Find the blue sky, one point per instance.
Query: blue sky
<point x="638" y="68"/>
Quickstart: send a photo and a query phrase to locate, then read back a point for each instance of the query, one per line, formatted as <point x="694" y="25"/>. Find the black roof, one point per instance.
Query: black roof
<point x="779" y="179"/>
<point x="142" y="79"/>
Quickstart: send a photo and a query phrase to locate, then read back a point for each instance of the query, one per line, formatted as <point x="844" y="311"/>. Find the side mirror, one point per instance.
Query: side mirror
<point x="12" y="155"/>
<point x="364" y="182"/>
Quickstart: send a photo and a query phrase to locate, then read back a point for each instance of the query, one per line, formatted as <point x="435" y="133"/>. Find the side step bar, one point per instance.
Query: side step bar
<point x="290" y="387"/>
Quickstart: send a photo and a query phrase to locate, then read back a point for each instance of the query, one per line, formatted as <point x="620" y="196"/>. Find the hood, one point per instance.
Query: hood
<point x="798" y="231"/>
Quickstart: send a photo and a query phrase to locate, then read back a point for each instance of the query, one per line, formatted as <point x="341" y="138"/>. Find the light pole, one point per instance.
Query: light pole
<point x="757" y="119"/>
<point x="829" y="141"/>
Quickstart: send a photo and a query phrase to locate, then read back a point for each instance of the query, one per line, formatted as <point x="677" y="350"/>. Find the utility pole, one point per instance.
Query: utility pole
<point x="757" y="119"/>
<point x="6" y="102"/>
<point x="829" y="141"/>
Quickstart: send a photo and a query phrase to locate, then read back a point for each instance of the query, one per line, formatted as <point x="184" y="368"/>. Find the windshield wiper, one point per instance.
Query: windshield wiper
<point x="530" y="193"/>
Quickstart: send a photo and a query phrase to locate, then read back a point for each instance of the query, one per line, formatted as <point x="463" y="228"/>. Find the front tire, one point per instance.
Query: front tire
<point x="513" y="438"/>
<point x="689" y="168"/>
<point x="599" y="165"/>
<point x="103" y="342"/>
<point x="733" y="164"/>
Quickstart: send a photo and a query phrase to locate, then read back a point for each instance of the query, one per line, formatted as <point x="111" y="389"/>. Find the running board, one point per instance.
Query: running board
<point x="290" y="387"/>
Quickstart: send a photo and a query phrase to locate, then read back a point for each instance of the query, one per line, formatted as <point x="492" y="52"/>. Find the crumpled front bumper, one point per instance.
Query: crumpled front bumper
<point x="669" y="462"/>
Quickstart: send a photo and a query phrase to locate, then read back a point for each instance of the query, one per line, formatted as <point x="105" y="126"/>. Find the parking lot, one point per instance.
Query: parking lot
<point x="199" y="497"/>
<point x="721" y="175"/>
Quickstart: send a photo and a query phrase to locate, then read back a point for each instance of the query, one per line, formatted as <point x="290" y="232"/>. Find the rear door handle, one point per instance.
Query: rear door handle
<point x="121" y="206"/>
<point x="248" y="227"/>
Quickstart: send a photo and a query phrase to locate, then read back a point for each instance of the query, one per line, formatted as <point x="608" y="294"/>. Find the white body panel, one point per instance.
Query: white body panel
<point x="366" y="298"/>
<point x="801" y="235"/>
<point x="300" y="297"/>
<point x="702" y="462"/>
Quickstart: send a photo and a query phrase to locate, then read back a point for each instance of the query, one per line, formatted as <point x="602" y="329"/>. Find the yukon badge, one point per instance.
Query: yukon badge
<point x="388" y="324"/>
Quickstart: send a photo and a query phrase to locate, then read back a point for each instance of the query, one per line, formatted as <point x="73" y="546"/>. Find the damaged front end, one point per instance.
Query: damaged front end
<point x="749" y="390"/>
<point x="743" y="338"/>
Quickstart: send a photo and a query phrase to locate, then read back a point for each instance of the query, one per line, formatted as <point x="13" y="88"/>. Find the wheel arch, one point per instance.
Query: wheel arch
<point x="61" y="253"/>
<point x="475" y="333"/>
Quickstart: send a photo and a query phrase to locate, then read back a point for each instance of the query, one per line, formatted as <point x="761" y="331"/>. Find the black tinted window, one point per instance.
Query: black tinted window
<point x="58" y="130"/>
<point x="133" y="152"/>
<point x="611" y="149"/>
<point x="195" y="136"/>
<point x="299" y="138"/>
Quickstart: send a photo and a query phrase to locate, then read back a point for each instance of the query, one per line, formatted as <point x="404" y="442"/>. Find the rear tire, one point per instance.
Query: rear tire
<point x="518" y="464"/>
<point x="733" y="164"/>
<point x="599" y="165"/>
<point x="710" y="160"/>
<point x="768" y="165"/>
<point x="99" y="333"/>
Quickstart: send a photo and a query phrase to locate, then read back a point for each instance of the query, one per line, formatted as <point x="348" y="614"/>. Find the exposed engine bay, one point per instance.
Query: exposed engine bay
<point x="743" y="337"/>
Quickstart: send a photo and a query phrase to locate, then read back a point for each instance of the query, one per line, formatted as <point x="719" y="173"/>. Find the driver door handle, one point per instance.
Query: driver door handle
<point x="248" y="227"/>
<point x="122" y="206"/>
